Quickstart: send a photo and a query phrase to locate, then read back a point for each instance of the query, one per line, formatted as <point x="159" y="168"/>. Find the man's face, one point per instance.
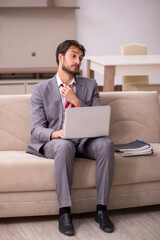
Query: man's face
<point x="71" y="61"/>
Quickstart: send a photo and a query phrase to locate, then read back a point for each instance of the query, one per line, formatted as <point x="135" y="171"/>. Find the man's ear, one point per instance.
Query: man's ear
<point x="60" y="57"/>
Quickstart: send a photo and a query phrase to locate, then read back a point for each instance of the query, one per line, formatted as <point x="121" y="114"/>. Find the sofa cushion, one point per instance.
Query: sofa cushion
<point x="137" y="169"/>
<point x="21" y="171"/>
<point x="25" y="172"/>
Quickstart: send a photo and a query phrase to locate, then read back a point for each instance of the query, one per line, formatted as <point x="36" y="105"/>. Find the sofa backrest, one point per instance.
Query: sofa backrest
<point x="134" y="115"/>
<point x="14" y="122"/>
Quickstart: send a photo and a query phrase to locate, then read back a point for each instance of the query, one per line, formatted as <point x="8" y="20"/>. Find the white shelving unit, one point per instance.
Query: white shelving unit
<point x="38" y="4"/>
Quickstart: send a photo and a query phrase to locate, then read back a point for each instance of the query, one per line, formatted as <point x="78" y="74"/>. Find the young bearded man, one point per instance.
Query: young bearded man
<point x="48" y="103"/>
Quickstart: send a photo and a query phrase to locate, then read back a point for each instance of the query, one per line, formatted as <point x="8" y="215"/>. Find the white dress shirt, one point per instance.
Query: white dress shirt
<point x="59" y="82"/>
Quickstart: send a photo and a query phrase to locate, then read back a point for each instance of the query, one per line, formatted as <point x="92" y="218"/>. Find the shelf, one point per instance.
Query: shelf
<point x="58" y="4"/>
<point x="35" y="71"/>
<point x="28" y="70"/>
<point x="40" y="7"/>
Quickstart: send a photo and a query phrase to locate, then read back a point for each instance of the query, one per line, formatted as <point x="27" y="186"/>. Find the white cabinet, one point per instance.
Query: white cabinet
<point x="12" y="87"/>
<point x="21" y="80"/>
<point x="9" y="87"/>
<point x="29" y="84"/>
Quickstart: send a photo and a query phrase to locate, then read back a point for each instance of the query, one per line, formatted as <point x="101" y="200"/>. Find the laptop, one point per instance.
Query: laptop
<point x="87" y="122"/>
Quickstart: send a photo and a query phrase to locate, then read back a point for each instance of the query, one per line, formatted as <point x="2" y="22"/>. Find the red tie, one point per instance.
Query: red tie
<point x="68" y="104"/>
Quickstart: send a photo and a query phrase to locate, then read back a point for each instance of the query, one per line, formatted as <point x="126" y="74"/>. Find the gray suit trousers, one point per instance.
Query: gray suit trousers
<point x="63" y="152"/>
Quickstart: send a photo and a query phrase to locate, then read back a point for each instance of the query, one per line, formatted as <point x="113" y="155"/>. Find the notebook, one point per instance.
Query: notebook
<point x="87" y="122"/>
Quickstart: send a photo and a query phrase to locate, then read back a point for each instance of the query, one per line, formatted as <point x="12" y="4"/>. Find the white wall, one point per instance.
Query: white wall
<point x="104" y="25"/>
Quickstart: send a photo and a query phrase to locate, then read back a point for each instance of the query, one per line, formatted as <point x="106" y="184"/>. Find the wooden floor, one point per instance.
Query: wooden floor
<point x="130" y="224"/>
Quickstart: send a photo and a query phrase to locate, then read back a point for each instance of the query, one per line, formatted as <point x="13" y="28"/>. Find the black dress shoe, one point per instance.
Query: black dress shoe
<point x="65" y="224"/>
<point x="104" y="222"/>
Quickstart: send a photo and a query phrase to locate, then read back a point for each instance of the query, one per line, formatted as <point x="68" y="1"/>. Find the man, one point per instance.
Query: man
<point x="48" y="102"/>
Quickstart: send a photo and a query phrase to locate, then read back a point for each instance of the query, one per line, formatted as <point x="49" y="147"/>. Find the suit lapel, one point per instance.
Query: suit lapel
<point x="56" y="99"/>
<point x="53" y="89"/>
<point x="79" y="88"/>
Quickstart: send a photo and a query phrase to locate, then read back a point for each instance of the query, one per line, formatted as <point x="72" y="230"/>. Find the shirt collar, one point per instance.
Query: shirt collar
<point x="59" y="81"/>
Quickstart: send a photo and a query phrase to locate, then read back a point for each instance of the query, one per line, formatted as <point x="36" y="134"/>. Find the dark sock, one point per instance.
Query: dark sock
<point x="64" y="210"/>
<point x="101" y="207"/>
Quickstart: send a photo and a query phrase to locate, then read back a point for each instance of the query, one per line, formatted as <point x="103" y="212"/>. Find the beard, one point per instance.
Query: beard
<point x="69" y="71"/>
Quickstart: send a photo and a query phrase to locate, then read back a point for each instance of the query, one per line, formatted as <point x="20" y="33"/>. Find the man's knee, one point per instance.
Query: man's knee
<point x="106" y="145"/>
<point x="59" y="148"/>
<point x="67" y="147"/>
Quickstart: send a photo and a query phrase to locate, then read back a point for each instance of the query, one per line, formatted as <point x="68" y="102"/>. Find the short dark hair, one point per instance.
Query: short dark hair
<point x="64" y="46"/>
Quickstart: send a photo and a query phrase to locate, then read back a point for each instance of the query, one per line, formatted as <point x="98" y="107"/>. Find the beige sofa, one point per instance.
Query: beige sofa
<point x="27" y="182"/>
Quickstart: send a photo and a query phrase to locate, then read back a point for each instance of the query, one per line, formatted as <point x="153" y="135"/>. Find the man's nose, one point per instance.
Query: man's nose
<point x="78" y="61"/>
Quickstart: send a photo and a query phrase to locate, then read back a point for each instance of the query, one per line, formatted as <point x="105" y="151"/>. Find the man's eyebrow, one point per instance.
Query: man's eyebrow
<point x="77" y="53"/>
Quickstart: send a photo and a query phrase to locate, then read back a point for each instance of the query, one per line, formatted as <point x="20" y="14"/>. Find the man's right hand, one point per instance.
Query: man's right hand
<point x="58" y="134"/>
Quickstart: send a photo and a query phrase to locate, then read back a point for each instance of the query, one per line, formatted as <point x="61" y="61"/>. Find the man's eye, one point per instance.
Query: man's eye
<point x="73" y="55"/>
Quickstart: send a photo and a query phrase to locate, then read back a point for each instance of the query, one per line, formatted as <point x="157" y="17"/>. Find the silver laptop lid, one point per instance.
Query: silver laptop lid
<point x="86" y="122"/>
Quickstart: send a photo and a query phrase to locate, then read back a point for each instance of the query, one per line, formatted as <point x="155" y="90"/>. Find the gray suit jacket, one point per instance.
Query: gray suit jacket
<point x="46" y="109"/>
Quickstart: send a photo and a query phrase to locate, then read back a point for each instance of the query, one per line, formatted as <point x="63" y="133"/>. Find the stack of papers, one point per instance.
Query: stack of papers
<point x="134" y="148"/>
